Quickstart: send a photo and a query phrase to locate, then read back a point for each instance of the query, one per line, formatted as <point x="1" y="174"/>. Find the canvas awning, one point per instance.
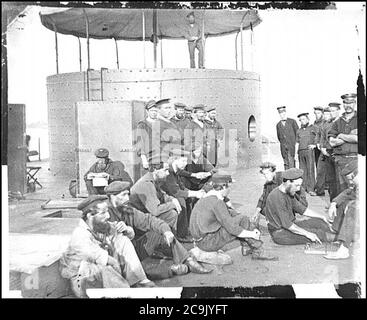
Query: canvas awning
<point x="127" y="24"/>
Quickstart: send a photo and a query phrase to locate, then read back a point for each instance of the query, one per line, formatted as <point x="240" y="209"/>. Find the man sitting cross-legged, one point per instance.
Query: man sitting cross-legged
<point x="280" y="210"/>
<point x="98" y="256"/>
<point x="150" y="232"/>
<point x="213" y="224"/>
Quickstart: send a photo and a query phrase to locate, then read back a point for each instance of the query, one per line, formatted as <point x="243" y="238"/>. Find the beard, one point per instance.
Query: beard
<point x="102" y="166"/>
<point x="101" y="227"/>
<point x="290" y="191"/>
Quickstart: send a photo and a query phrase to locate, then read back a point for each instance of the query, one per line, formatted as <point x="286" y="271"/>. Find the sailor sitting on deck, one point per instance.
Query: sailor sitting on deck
<point x="213" y="224"/>
<point x="273" y="180"/>
<point x="99" y="256"/>
<point x="344" y="212"/>
<point x="280" y="210"/>
<point x="152" y="234"/>
<point x="103" y="172"/>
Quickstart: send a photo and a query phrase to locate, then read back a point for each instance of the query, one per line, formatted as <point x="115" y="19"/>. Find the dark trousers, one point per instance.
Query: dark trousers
<point x="307" y="164"/>
<point x="218" y="239"/>
<point x="317" y="156"/>
<point x="146" y="244"/>
<point x="199" y="45"/>
<point x="288" y="158"/>
<point x="340" y="162"/>
<point x="182" y="220"/>
<point x="213" y="153"/>
<point x="93" y="190"/>
<point x="326" y="175"/>
<point x="286" y="237"/>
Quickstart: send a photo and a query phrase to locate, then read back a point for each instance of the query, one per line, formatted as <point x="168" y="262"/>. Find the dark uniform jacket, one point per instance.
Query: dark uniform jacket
<point x="215" y="129"/>
<point x="197" y="135"/>
<point x="148" y="197"/>
<point x="306" y="135"/>
<point x="145" y="140"/>
<point x="324" y="131"/>
<point x="202" y="165"/>
<point x="181" y="124"/>
<point x="318" y="125"/>
<point x="300" y="196"/>
<point x="194" y="31"/>
<point x="280" y="210"/>
<point x="170" y="136"/>
<point x="115" y="169"/>
<point x="174" y="186"/>
<point x="287" y="135"/>
<point x="341" y="125"/>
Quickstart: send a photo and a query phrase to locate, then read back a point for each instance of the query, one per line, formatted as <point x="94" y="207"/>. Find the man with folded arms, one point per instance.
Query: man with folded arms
<point x="281" y="209"/>
<point x="343" y="138"/>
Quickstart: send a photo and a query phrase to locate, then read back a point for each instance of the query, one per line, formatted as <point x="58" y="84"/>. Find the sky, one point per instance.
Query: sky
<point x="305" y="58"/>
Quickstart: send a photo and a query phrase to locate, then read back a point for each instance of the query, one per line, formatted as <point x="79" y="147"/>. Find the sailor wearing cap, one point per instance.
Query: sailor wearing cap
<point x="196" y="131"/>
<point x="305" y="138"/>
<point x="343" y="137"/>
<point x="319" y="120"/>
<point x="180" y="119"/>
<point x="344" y="213"/>
<point x="192" y="33"/>
<point x="286" y="133"/>
<point x="279" y="211"/>
<point x="170" y="136"/>
<point x="98" y="254"/>
<point x="144" y="134"/>
<point x="334" y="110"/>
<point x="103" y="172"/>
<point x="273" y="179"/>
<point x="213" y="224"/>
<point x="148" y="196"/>
<point x="215" y="134"/>
<point x="188" y="112"/>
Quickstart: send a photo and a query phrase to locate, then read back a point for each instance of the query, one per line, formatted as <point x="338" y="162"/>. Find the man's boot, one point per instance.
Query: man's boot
<point x="249" y="244"/>
<point x="257" y="251"/>
<point x="195" y="266"/>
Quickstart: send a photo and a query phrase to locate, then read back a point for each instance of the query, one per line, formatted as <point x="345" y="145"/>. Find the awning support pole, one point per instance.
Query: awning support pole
<point x="117" y="55"/>
<point x="236" y="50"/>
<point x="57" y="50"/>
<point x="203" y="37"/>
<point x="87" y="32"/>
<point x="252" y="47"/>
<point x="241" y="47"/>
<point x="143" y="14"/>
<point x="80" y="55"/>
<point x="161" y="53"/>
<point x="155" y="36"/>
